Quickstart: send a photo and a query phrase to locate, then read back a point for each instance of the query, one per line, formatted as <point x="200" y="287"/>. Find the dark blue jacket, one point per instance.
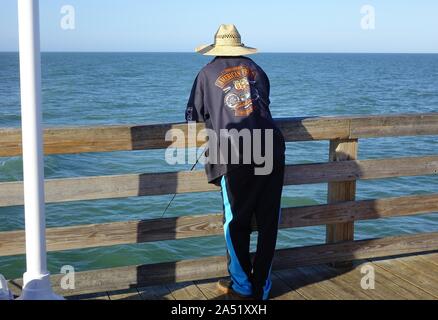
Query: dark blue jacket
<point x="232" y="93"/>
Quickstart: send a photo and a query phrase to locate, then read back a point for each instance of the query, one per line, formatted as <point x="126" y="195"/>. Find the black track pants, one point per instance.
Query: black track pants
<point x="244" y="195"/>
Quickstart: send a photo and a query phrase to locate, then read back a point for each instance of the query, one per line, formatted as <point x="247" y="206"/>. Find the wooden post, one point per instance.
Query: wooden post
<point x="341" y="150"/>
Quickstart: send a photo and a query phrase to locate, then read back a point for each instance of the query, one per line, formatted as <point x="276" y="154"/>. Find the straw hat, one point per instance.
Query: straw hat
<point x="227" y="42"/>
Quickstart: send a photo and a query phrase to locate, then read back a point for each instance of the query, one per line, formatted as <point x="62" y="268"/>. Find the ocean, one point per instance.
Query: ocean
<point x="146" y="88"/>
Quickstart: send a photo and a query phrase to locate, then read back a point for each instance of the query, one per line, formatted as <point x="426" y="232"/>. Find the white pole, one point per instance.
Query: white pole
<point x="36" y="279"/>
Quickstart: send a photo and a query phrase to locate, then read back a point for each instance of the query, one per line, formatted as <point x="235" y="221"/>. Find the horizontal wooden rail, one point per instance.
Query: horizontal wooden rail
<point x="212" y="267"/>
<point x="132" y="185"/>
<point x="117" y="233"/>
<point x="124" y="138"/>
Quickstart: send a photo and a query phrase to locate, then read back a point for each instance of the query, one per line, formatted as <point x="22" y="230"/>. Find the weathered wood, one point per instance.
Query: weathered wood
<point x="281" y="291"/>
<point x="396" y="286"/>
<point x="186" y="291"/>
<point x="349" y="279"/>
<point x="360" y="170"/>
<point x="346" y="279"/>
<point x="330" y="278"/>
<point x="94" y="139"/>
<point x="358" y="210"/>
<point x="90" y="296"/>
<point x="356" y="250"/>
<point x="424" y="270"/>
<point x="213" y="267"/>
<point x="393" y="125"/>
<point x="307" y="287"/>
<point x="131" y="294"/>
<point x="414" y="273"/>
<point x="431" y="258"/>
<point x="314" y="128"/>
<point x="140" y="137"/>
<point x="340" y="191"/>
<point x="132" y="185"/>
<point x="209" y="289"/>
<point x="140" y="276"/>
<point x="324" y="282"/>
<point x="159" y="292"/>
<point x="105" y="187"/>
<point x="116" y="233"/>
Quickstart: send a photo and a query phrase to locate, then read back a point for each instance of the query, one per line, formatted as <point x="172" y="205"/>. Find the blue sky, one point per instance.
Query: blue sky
<point x="272" y="26"/>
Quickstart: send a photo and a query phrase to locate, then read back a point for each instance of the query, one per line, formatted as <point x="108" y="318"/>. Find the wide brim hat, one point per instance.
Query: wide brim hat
<point x="227" y="42"/>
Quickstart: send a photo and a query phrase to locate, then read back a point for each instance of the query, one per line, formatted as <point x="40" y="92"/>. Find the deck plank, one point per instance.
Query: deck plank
<point x="386" y="280"/>
<point x="186" y="291"/>
<point x="91" y="296"/>
<point x="387" y="286"/>
<point x="426" y="270"/>
<point x="411" y="271"/>
<point x="308" y="287"/>
<point x="408" y="277"/>
<point x="131" y="294"/>
<point x="431" y="257"/>
<point x="339" y="281"/>
<point x="160" y="292"/>
<point x="345" y="279"/>
<point x="210" y="290"/>
<point x="281" y="291"/>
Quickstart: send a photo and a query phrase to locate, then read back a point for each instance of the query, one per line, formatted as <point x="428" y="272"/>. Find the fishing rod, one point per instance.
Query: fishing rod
<point x="174" y="195"/>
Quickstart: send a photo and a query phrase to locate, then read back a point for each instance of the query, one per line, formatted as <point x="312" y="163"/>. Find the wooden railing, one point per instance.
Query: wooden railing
<point x="341" y="173"/>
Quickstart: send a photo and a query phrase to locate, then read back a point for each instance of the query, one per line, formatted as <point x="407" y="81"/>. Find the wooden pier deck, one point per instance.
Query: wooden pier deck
<point x="405" y="266"/>
<point x="403" y="278"/>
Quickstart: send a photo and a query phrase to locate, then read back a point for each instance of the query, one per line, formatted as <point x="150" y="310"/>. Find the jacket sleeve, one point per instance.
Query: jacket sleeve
<point x="267" y="88"/>
<point x="195" y="106"/>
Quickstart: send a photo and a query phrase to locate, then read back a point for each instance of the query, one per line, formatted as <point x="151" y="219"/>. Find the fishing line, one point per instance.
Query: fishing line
<point x="174" y="195"/>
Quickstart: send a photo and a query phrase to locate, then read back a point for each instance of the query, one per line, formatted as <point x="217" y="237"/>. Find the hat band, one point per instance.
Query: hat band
<point x="228" y="42"/>
<point x="229" y="45"/>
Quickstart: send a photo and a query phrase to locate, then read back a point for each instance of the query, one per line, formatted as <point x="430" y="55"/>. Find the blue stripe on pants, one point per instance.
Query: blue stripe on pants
<point x="239" y="278"/>
<point x="268" y="286"/>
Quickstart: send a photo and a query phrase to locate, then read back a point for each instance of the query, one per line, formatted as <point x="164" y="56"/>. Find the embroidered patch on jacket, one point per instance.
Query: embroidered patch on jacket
<point x="238" y="84"/>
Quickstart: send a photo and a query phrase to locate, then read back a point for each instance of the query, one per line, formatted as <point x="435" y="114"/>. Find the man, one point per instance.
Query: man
<point x="231" y="94"/>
